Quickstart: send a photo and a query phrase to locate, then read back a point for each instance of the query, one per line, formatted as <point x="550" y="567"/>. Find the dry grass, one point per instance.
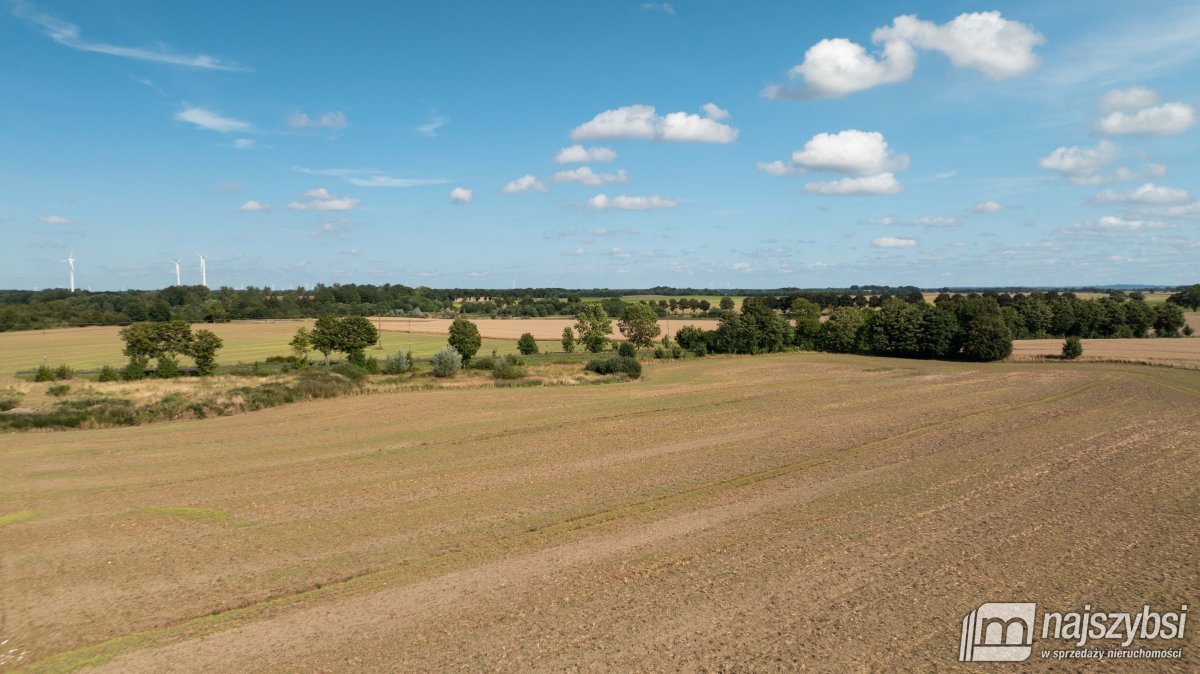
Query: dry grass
<point x="1181" y="352"/>
<point x="547" y="330"/>
<point x="738" y="513"/>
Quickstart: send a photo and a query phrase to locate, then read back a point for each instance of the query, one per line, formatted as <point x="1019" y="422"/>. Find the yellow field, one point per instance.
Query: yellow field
<point x="784" y="512"/>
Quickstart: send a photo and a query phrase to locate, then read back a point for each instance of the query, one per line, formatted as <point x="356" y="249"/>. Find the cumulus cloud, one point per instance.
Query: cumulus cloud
<point x="69" y="35"/>
<point x="578" y="154"/>
<point x="985" y="41"/>
<point x="321" y="200"/>
<point x="461" y="195"/>
<point x="743" y="267"/>
<point x="1112" y="223"/>
<point x="524" y="184"/>
<point x="54" y="220"/>
<point x="1168" y="119"/>
<point x="212" y="121"/>
<point x="1081" y="164"/>
<point x="253" y="206"/>
<point x="643" y="123"/>
<point x="937" y="221"/>
<point x="987" y="207"/>
<point x="714" y="111"/>
<point x="893" y="242"/>
<point x="852" y="151"/>
<point x="627" y="203"/>
<point x="1127" y="99"/>
<point x="585" y="176"/>
<point x="1189" y="211"/>
<point x="333" y="120"/>
<point x="884" y="183"/>
<point x="1146" y="194"/>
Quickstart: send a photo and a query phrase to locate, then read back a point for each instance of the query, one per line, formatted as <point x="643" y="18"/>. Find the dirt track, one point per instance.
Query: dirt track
<point x="764" y="513"/>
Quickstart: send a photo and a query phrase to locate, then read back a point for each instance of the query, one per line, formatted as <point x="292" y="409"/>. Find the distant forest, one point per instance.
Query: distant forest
<point x="31" y="310"/>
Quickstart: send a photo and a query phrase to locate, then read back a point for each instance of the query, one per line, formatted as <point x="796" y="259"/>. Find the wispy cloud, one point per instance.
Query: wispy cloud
<point x="321" y="200"/>
<point x="332" y="120"/>
<point x="369" y="177"/>
<point x="212" y="121"/>
<point x="433" y="127"/>
<point x="69" y="35"/>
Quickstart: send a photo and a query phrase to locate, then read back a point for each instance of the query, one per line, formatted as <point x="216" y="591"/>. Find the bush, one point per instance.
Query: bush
<point x="508" y="367"/>
<point x="1188" y="331"/>
<point x="59" y="390"/>
<point x="168" y="368"/>
<point x="615" y="365"/>
<point x="1072" y="348"/>
<point x="676" y="352"/>
<point x="398" y="363"/>
<point x="659" y="353"/>
<point x="484" y="363"/>
<point x="371" y="365"/>
<point x="44" y="373"/>
<point x="108" y="373"/>
<point x="355" y="373"/>
<point x="447" y="362"/>
<point x="527" y="345"/>
<point x="136" y="369"/>
<point x="63" y="372"/>
<point x="626" y="349"/>
<point x="9" y="401"/>
<point x="701" y="350"/>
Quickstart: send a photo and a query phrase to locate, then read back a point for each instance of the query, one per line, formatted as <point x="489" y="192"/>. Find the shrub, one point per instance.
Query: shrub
<point x="44" y="373"/>
<point x="355" y="373"/>
<point x="9" y="401"/>
<point x="168" y="368"/>
<point x="136" y="369"/>
<point x="108" y="373"/>
<point x="371" y="365"/>
<point x="508" y="367"/>
<point x="447" y="362"/>
<point x="626" y="349"/>
<point x="1072" y="348"/>
<point x="63" y="372"/>
<point x="59" y="390"/>
<point x="527" y="345"/>
<point x="1188" y="331"/>
<point x="659" y="353"/>
<point x="615" y="365"/>
<point x="397" y="363"/>
<point x="568" y="340"/>
<point x="484" y="363"/>
<point x="676" y="352"/>
<point x="701" y="350"/>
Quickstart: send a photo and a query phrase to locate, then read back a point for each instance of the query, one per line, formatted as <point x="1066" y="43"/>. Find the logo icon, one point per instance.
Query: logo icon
<point x="997" y="632"/>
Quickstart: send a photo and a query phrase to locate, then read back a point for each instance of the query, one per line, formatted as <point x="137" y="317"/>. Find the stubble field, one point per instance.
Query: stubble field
<point x="741" y="513"/>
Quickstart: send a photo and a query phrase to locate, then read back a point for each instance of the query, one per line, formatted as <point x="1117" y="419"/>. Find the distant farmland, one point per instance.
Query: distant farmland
<point x="737" y="513"/>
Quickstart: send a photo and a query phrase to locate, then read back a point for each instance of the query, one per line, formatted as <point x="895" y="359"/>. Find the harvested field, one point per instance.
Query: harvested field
<point x="741" y="513"/>
<point x="542" y="329"/>
<point x="1182" y="352"/>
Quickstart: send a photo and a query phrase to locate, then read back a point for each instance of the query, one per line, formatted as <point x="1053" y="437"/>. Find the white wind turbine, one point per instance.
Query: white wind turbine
<point x="203" y="272"/>
<point x="176" y="263"/>
<point x="71" y="261"/>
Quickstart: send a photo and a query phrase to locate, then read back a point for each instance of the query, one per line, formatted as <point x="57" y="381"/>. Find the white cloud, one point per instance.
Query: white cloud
<point x="620" y="253"/>
<point x="585" y="176"/>
<point x="775" y="168"/>
<point x="852" y="151"/>
<point x="333" y="120"/>
<point x="244" y="144"/>
<point x="461" y="195"/>
<point x="886" y="220"/>
<point x="1132" y="98"/>
<point x="524" y="184"/>
<point x="1162" y="120"/>
<point x="321" y="200"/>
<point x="1080" y="164"/>
<point x="207" y="119"/>
<point x="988" y="207"/>
<point x="884" y="183"/>
<point x="743" y="267"/>
<point x="253" y="206"/>
<point x="937" y="221"/>
<point x="1110" y="223"/>
<point x="893" y="242"/>
<point x="54" y="220"/>
<point x="627" y="203"/>
<point x="714" y="111"/>
<point x="370" y="177"/>
<point x="434" y="125"/>
<point x="986" y="41"/>
<point x="1189" y="211"/>
<point x="68" y="35"/>
<point x="1146" y="194"/>
<point x="664" y="7"/>
<point x="642" y="122"/>
<point x="578" y="154"/>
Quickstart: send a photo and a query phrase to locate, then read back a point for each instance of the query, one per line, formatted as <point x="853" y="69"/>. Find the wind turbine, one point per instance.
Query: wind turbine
<point x="203" y="272"/>
<point x="71" y="261"/>
<point x="176" y="263"/>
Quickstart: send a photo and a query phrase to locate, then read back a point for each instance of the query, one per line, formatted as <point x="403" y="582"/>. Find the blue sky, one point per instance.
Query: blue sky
<point x="720" y="144"/>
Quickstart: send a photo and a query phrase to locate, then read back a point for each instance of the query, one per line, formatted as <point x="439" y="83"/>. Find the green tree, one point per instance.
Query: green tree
<point x="355" y="334"/>
<point x="464" y="337"/>
<point x="627" y="350"/>
<point x="726" y="304"/>
<point x="939" y="334"/>
<point x="324" y="335"/>
<point x="167" y="368"/>
<point x="639" y="324"/>
<point x="840" y="334"/>
<point x="807" y="316"/>
<point x="894" y="330"/>
<point x="527" y="345"/>
<point x="593" y="325"/>
<point x="987" y="338"/>
<point x="1188" y="297"/>
<point x="147" y="340"/>
<point x="203" y="351"/>
<point x="568" y="340"/>
<point x="1168" y="319"/>
<point x="1072" y="348"/>
<point x="301" y="344"/>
